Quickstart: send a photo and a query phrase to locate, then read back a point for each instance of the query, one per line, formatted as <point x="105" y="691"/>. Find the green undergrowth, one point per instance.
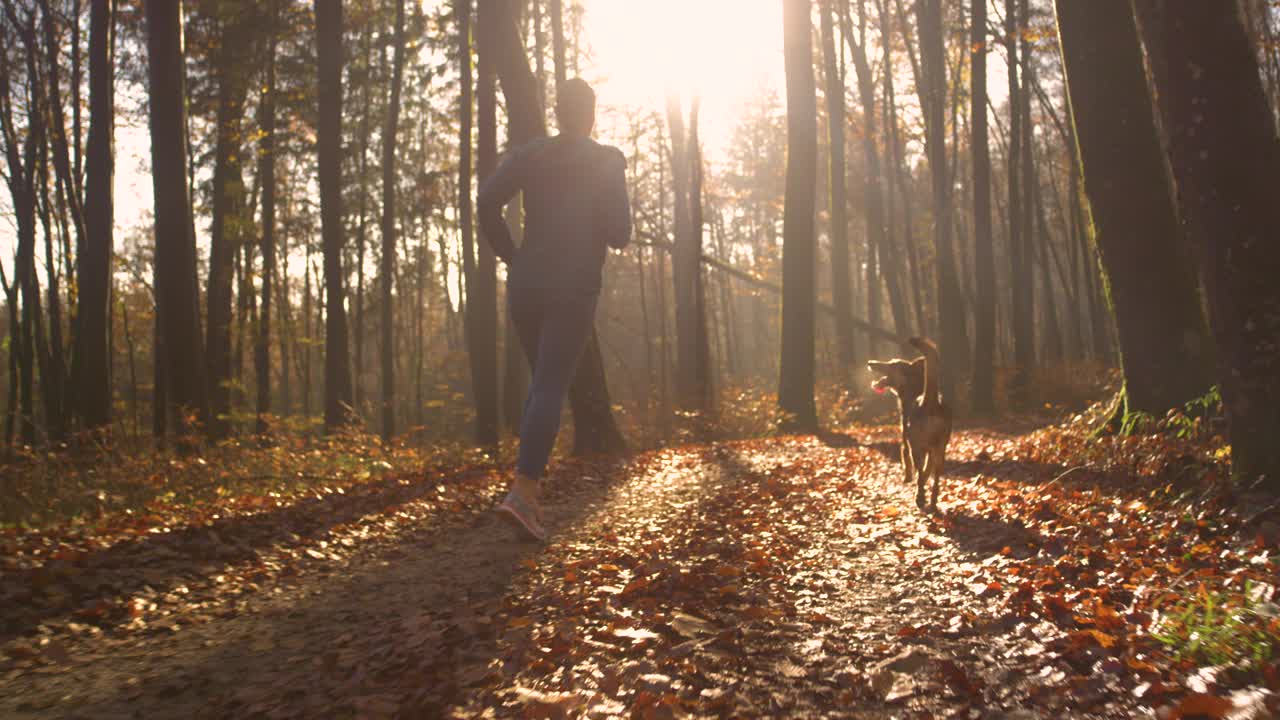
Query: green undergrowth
<point x="1239" y="628"/>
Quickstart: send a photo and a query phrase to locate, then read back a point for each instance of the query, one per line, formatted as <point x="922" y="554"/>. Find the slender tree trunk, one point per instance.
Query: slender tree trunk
<point x="228" y="223"/>
<point x="796" y="378"/>
<point x="366" y="113"/>
<point x="388" y="264"/>
<point x="837" y="199"/>
<point x="1019" y="284"/>
<point x="1164" y="345"/>
<point x="692" y="370"/>
<point x="951" y="319"/>
<point x="337" y="375"/>
<point x="983" y="395"/>
<point x="888" y="263"/>
<point x="483" y="300"/>
<point x="267" y="173"/>
<point x="557" y="41"/>
<point x="285" y="316"/>
<point x="177" y="295"/>
<point x="1225" y="157"/>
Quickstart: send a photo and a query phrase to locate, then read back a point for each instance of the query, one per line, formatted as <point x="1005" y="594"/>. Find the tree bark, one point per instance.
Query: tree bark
<point x="388" y="259"/>
<point x="229" y="222"/>
<point x="982" y="399"/>
<point x="1150" y="282"/>
<point x="267" y="173"/>
<point x="952" y="326"/>
<point x="557" y="41"/>
<point x="482" y="299"/>
<point x="177" y="295"/>
<point x="837" y="200"/>
<point x="691" y="341"/>
<point x="1225" y="158"/>
<point x="796" y="374"/>
<point x="1019" y="282"/>
<point x="95" y="263"/>
<point x="337" y="364"/>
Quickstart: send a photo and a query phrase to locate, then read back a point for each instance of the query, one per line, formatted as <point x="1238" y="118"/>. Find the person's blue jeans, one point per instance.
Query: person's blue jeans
<point x="554" y="325"/>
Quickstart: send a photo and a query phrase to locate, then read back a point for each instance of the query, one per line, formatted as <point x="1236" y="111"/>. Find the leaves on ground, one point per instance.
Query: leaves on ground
<point x="1065" y="576"/>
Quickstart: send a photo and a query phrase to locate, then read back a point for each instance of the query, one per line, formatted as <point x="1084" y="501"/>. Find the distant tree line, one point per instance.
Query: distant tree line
<point x="312" y="258"/>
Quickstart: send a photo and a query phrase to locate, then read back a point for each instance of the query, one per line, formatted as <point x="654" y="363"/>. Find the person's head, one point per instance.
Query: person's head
<point x="575" y="108"/>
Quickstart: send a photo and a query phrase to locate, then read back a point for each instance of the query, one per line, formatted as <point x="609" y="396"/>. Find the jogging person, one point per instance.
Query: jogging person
<point x="576" y="206"/>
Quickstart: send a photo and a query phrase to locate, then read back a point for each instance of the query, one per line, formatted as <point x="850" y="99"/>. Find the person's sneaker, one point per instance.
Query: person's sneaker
<point x="522" y="515"/>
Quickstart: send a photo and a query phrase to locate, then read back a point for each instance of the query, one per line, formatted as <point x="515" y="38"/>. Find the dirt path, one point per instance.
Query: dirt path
<point x="781" y="577"/>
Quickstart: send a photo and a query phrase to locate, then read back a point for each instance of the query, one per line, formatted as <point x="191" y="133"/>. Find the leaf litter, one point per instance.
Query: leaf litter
<point x="1064" y="577"/>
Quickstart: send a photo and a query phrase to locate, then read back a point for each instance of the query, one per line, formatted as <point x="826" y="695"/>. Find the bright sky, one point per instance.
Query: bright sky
<point x="723" y="50"/>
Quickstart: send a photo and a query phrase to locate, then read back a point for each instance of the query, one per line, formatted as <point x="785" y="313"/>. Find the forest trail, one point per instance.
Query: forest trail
<point x="781" y="577"/>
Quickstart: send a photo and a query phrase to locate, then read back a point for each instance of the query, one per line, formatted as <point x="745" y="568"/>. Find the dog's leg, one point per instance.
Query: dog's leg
<point x="923" y="477"/>
<point x="908" y="464"/>
<point x="937" y="459"/>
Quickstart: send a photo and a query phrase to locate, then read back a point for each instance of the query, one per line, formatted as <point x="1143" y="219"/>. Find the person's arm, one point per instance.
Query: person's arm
<point x="495" y="192"/>
<point x="613" y="214"/>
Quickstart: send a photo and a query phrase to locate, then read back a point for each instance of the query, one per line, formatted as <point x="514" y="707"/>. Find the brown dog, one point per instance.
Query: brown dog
<point x="926" y="419"/>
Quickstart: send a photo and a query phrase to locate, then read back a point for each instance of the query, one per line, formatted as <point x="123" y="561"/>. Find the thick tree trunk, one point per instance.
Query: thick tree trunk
<point x="1225" y="157"/>
<point x="1164" y="345"/>
<point x="177" y="295"/>
<point x="388" y="260"/>
<point x="799" y="301"/>
<point x="337" y="364"/>
<point x="982" y="398"/>
<point x="94" y="267"/>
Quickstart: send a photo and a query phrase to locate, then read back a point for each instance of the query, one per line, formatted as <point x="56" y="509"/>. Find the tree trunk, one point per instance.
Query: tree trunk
<point x="837" y="199"/>
<point x="1225" y="157"/>
<point x="952" y="326"/>
<point x="482" y="300"/>
<point x="94" y="276"/>
<point x="177" y="295"/>
<point x="691" y="357"/>
<point x="888" y="262"/>
<point x="388" y="260"/>
<point x="557" y="41"/>
<point x="1019" y="284"/>
<point x="982" y="398"/>
<point x="358" y="300"/>
<point x="796" y="374"/>
<point x="1164" y="346"/>
<point x="228" y="223"/>
<point x="267" y="173"/>
<point x="337" y="365"/>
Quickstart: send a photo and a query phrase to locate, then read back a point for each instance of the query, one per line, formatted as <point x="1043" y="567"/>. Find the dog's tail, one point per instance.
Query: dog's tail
<point x="932" y="363"/>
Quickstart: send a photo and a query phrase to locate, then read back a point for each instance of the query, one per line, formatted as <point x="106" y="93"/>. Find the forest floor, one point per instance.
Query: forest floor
<point x="790" y="576"/>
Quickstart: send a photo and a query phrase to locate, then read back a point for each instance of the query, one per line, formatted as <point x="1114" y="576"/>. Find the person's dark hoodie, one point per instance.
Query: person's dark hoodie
<point x="575" y="204"/>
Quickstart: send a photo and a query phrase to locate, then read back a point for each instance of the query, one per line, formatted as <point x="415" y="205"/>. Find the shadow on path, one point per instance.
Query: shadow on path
<point x="307" y="639"/>
<point x="163" y="561"/>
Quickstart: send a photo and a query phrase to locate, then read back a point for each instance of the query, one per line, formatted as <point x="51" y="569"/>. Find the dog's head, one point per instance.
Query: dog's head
<point x="904" y="377"/>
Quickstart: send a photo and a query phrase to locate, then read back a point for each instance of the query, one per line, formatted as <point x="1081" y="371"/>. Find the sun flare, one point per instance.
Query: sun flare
<point x="724" y="51"/>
